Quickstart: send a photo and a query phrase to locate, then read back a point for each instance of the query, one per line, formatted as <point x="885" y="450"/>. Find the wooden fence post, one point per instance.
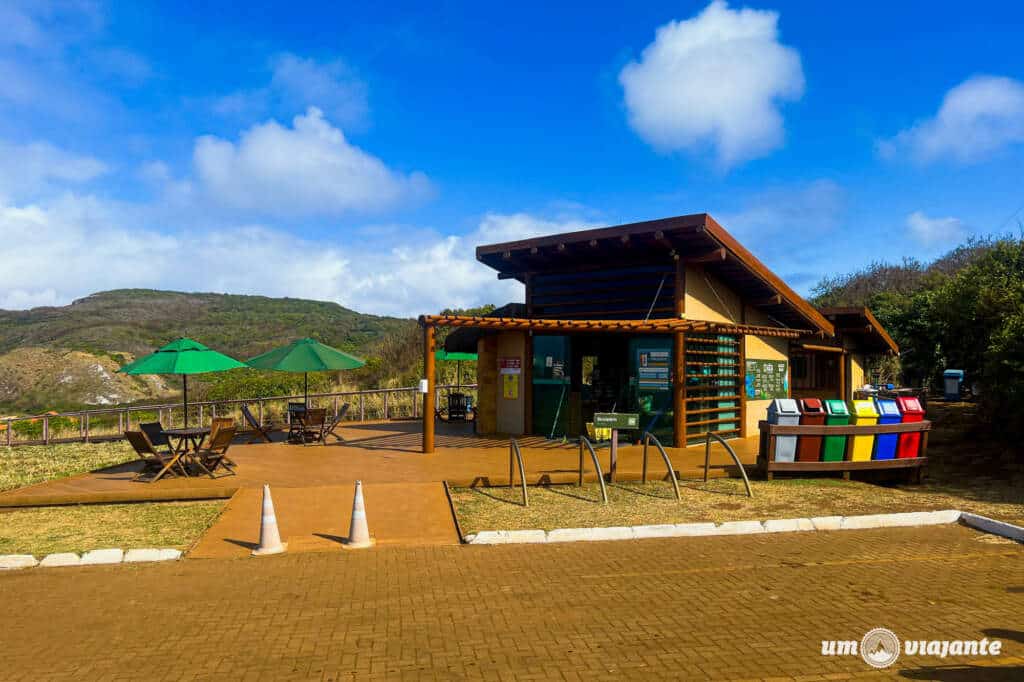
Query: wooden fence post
<point x="120" y="423"/>
<point x="386" y="413"/>
<point x="46" y="429"/>
<point x="87" y="427"/>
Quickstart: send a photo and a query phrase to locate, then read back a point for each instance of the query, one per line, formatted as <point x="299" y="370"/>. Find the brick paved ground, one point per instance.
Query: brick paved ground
<point x="725" y="607"/>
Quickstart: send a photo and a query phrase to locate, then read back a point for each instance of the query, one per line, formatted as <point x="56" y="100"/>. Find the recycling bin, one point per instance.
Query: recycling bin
<point x="951" y="380"/>
<point x="864" y="414"/>
<point x="812" y="413"/>
<point x="833" y="448"/>
<point x="885" y="443"/>
<point x="783" y="411"/>
<point x="909" y="444"/>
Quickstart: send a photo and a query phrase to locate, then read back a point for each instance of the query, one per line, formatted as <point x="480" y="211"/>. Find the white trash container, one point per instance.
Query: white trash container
<point x="784" y="412"/>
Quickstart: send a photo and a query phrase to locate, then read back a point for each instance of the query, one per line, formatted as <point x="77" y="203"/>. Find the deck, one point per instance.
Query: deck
<point x="376" y="453"/>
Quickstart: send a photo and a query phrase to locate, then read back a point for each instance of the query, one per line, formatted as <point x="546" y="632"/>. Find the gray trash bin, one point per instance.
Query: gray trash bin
<point x="784" y="411"/>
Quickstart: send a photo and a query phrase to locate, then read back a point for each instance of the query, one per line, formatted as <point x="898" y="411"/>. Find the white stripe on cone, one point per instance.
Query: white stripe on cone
<point x="358" y="532"/>
<point x="270" y="537"/>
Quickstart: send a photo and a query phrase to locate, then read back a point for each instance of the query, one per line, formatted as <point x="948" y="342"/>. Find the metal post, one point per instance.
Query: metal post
<point x="46" y="430"/>
<point x="362" y="407"/>
<point x="335" y="407"/>
<point x="120" y="423"/>
<point x="387" y="414"/>
<point x="613" y="455"/>
<point x="260" y="406"/>
<point x="87" y="428"/>
<point x="10" y="429"/>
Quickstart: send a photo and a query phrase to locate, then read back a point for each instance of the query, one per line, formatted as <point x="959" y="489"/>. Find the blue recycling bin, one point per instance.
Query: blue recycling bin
<point x="885" y="443"/>
<point x="951" y="381"/>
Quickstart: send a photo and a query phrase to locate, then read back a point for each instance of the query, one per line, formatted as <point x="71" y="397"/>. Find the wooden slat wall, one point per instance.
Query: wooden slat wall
<point x="624" y="293"/>
<point x="714" y="386"/>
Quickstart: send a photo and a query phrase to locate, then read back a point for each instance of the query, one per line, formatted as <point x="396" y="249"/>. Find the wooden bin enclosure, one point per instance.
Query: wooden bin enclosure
<point x="769" y="432"/>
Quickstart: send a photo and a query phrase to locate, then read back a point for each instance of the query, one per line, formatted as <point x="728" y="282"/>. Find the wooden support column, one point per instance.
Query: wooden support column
<point x="528" y="385"/>
<point x="428" y="397"/>
<point x="679" y="360"/>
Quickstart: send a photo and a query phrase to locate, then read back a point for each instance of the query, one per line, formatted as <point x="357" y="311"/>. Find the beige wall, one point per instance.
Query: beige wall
<point x="511" y="413"/>
<point x="758" y="348"/>
<point x="703" y="304"/>
<point x="856" y="374"/>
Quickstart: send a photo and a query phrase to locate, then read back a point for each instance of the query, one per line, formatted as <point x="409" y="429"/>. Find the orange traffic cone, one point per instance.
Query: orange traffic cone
<point x="270" y="537"/>
<point x="358" y="532"/>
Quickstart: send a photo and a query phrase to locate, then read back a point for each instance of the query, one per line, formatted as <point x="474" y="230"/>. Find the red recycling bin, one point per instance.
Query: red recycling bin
<point x="909" y="444"/>
<point x="808" y="448"/>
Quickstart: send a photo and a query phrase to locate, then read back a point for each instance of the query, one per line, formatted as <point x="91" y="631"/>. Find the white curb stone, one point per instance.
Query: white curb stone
<point x="60" y="559"/>
<point x="946" y="516"/>
<point x="787" y="525"/>
<point x="506" y="537"/>
<point x="138" y="555"/>
<point x="12" y="562"/>
<point x="170" y="554"/>
<point x="102" y="556"/>
<point x="739" y="528"/>
<point x="695" y="529"/>
<point x="864" y="522"/>
<point x="663" y="530"/>
<point x="827" y="522"/>
<point x="590" y="534"/>
<point x="983" y="523"/>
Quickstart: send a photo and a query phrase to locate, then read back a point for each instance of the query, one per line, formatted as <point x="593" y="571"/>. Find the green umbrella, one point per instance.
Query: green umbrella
<point x="184" y="357"/>
<point x="305" y="355"/>
<point x="442" y="354"/>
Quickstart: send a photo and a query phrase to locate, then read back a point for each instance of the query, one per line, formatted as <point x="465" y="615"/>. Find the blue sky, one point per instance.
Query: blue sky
<point x="355" y="153"/>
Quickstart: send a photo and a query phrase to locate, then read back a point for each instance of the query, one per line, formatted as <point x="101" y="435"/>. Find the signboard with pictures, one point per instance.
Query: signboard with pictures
<point x="653" y="369"/>
<point x="766" y="379"/>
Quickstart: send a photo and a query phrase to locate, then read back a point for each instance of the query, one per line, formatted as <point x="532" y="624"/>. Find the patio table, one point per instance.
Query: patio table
<point x="192" y="436"/>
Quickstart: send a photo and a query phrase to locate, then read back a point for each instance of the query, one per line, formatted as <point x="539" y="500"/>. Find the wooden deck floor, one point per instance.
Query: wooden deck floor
<point x="385" y="452"/>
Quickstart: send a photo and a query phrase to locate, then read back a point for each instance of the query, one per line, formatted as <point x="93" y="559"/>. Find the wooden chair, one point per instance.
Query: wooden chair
<point x="457" y="408"/>
<point x="219" y="423"/>
<point x="334" y="424"/>
<point x="260" y="431"/>
<point x="155" y="433"/>
<point x="154" y="460"/>
<point x="215" y="455"/>
<point x="312" y="426"/>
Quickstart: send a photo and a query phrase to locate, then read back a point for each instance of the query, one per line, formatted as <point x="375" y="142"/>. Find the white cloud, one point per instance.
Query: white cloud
<point x="105" y="245"/>
<point x="977" y="118"/>
<point x="32" y="169"/>
<point x="715" y="79"/>
<point x="935" y="231"/>
<point x="297" y="83"/>
<point x="308" y="169"/>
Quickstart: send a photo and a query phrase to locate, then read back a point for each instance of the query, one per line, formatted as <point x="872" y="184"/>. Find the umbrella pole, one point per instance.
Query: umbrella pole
<point x="184" y="378"/>
<point x="305" y="382"/>
<point x="458" y="375"/>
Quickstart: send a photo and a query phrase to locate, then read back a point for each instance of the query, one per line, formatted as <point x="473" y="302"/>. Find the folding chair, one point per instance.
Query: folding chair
<point x="216" y="453"/>
<point x="219" y="423"/>
<point x="155" y="433"/>
<point x="311" y="426"/>
<point x="335" y="423"/>
<point x="259" y="430"/>
<point x="154" y="460"/>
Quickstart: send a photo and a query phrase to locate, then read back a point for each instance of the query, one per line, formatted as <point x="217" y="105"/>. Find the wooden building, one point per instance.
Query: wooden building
<point x="613" y="317"/>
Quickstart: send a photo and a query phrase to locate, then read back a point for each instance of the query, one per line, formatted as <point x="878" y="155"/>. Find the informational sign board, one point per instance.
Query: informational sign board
<point x="510" y="386"/>
<point x="653" y="369"/>
<point x="510" y="365"/>
<point x="616" y="420"/>
<point x="767" y="379"/>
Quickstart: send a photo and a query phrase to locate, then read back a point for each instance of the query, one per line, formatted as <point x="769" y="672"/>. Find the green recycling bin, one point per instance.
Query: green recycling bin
<point x="834" y="447"/>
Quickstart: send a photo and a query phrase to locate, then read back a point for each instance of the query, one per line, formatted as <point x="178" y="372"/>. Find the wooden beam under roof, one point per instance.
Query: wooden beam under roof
<point x="713" y="256"/>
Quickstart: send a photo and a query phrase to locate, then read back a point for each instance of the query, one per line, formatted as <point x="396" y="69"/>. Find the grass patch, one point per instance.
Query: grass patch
<point x="28" y="464"/>
<point x="46" y="530"/>
<point x="630" y="504"/>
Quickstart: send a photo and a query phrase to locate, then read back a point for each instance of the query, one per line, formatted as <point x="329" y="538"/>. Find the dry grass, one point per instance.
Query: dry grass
<point x="719" y="500"/>
<point x="46" y="530"/>
<point x="28" y="464"/>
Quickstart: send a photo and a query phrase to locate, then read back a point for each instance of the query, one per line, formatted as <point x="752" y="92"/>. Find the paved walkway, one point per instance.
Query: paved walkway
<point x="317" y="519"/>
<point x="375" y="453"/>
<point x="721" y="607"/>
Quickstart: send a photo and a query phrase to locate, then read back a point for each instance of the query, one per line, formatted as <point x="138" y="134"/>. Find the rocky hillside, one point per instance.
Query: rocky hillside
<point x="61" y="357"/>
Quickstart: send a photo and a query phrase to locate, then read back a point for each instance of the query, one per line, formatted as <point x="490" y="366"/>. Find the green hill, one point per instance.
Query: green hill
<point x="64" y="355"/>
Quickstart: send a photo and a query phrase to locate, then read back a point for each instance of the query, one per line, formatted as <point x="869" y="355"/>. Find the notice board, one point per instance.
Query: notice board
<point x="767" y="379"/>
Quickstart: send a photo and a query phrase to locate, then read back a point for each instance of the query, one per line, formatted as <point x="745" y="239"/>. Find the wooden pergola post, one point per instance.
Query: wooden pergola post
<point x="428" y="397"/>
<point x="679" y="360"/>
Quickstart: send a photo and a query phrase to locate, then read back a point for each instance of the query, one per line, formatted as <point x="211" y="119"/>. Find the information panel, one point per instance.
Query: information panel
<point x="767" y="379"/>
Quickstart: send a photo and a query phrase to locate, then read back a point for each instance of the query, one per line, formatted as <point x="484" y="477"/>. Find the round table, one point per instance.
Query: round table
<point x="192" y="436"/>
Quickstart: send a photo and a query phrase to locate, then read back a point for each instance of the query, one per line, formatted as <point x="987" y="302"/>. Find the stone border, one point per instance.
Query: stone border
<point x="96" y="557"/>
<point x="817" y="523"/>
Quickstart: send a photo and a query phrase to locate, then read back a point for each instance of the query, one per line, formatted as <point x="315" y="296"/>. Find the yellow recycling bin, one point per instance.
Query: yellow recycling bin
<point x="864" y="414"/>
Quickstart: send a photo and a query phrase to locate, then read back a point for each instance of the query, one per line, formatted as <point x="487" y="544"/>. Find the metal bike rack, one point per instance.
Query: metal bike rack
<point x="707" y="459"/>
<point x="597" y="468"/>
<point x="649" y="438"/>
<point x="515" y="455"/>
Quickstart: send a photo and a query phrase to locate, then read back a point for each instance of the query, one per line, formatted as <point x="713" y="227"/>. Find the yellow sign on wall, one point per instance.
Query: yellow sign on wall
<point x="510" y="386"/>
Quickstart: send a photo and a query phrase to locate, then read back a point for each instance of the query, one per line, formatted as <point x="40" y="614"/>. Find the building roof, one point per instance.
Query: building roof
<point x="697" y="239"/>
<point x="861" y="325"/>
<point x="659" y="326"/>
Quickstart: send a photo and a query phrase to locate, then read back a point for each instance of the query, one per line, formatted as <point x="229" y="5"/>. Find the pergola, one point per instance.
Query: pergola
<point x="675" y="326"/>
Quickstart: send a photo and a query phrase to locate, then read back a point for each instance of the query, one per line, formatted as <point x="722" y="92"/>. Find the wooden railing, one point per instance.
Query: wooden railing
<point x="111" y="423"/>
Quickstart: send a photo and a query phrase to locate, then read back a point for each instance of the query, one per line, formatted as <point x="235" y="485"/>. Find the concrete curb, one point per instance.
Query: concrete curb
<point x="96" y="557"/>
<point x="798" y="525"/>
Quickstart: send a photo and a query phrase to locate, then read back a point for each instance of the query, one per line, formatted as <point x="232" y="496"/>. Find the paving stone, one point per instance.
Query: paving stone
<point x="60" y="559"/>
<point x="787" y="525"/>
<point x="102" y="556"/>
<point x="11" y="562"/>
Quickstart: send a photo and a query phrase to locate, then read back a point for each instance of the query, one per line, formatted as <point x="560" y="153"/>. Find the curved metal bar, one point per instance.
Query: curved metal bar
<point x="707" y="459"/>
<point x="515" y="453"/>
<point x="649" y="437"/>
<point x="597" y="467"/>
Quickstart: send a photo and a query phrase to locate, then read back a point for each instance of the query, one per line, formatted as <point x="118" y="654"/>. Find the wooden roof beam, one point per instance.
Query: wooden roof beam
<point x="715" y="256"/>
